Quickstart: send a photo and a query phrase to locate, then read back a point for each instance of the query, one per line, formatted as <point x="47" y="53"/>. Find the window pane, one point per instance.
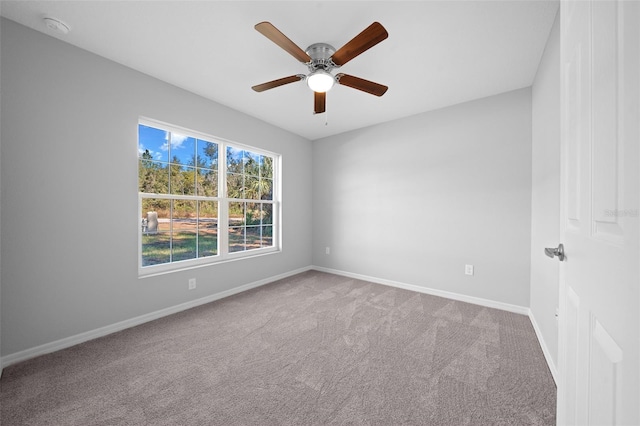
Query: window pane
<point x="235" y="186"/>
<point x="207" y="183"/>
<point x="266" y="189"/>
<point x="267" y="214"/>
<point x="184" y="224"/>
<point x="183" y="149"/>
<point x="156" y="248"/>
<point x="253" y="237"/>
<point x="234" y="160"/>
<point x="267" y="236"/>
<point x="251" y="187"/>
<point x="253" y="213"/>
<point x="207" y="228"/>
<point x="156" y="208"/>
<point x="236" y="214"/>
<point x="207" y="154"/>
<point x="236" y="239"/>
<point x="266" y="167"/>
<point x="182" y="180"/>
<point x="153" y="177"/>
<point x="251" y="163"/>
<point x="156" y="238"/>
<point x="152" y="143"/>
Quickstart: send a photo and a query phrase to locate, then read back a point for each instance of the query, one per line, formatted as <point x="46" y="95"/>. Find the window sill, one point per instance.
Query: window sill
<point x="186" y="265"/>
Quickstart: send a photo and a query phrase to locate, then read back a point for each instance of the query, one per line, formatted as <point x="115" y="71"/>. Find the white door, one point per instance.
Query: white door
<point x="599" y="354"/>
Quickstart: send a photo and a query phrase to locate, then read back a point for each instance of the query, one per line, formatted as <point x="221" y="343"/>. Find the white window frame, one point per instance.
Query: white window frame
<point x="223" y="254"/>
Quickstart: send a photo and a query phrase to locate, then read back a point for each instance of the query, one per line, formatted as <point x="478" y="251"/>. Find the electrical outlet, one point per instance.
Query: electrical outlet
<point x="192" y="283"/>
<point x="468" y="269"/>
<point x="327" y="250"/>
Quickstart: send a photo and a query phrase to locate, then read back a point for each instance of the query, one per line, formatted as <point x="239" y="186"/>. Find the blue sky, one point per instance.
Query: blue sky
<point x="160" y="147"/>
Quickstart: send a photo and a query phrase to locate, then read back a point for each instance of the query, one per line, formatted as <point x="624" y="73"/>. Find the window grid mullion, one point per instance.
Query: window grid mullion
<point x="197" y="228"/>
<point x="223" y="207"/>
<point x="170" y="231"/>
<point x="169" y="163"/>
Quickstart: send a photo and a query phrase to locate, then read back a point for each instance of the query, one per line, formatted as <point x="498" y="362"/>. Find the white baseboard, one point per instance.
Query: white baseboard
<point x="103" y="331"/>
<point x="545" y="349"/>
<point x="432" y="291"/>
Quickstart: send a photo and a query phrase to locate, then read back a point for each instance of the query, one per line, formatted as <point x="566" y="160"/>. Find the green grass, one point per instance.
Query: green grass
<point x="156" y="248"/>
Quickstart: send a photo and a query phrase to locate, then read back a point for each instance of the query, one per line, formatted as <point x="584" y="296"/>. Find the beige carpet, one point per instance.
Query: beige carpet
<point x="312" y="349"/>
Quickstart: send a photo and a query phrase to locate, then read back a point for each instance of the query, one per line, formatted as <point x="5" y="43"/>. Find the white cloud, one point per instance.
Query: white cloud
<point x="177" y="140"/>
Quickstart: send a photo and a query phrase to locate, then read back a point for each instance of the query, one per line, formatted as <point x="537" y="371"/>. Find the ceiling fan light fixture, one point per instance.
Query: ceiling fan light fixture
<point x="320" y="81"/>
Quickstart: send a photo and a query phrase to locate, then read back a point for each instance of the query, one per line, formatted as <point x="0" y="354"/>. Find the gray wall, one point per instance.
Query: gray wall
<point x="416" y="199"/>
<point x="69" y="191"/>
<point x="545" y="194"/>
<point x="1" y="369"/>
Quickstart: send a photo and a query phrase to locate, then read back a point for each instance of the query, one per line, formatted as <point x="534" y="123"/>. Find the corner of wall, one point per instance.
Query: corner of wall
<point x="1" y="364"/>
<point x="545" y="349"/>
<point x="545" y="195"/>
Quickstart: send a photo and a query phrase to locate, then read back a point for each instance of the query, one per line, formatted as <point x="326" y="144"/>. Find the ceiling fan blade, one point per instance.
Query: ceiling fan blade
<point x="277" y="83"/>
<point x="361" y="84"/>
<point x="274" y="34"/>
<point x="319" y="102"/>
<point x="368" y="38"/>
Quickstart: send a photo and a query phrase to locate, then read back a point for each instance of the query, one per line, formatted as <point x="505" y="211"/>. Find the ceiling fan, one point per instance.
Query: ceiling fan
<point x="321" y="59"/>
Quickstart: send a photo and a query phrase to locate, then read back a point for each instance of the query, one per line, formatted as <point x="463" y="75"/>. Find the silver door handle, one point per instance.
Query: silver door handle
<point x="559" y="251"/>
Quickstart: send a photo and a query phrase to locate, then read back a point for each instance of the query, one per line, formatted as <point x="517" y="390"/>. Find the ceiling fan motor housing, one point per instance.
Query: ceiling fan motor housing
<point x="321" y="54"/>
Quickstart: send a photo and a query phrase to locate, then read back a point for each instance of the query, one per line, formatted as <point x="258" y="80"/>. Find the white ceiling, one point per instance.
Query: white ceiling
<point x="438" y="53"/>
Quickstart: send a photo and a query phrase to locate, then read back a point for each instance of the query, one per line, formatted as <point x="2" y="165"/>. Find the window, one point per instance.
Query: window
<point x="250" y="195"/>
<point x="202" y="199"/>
